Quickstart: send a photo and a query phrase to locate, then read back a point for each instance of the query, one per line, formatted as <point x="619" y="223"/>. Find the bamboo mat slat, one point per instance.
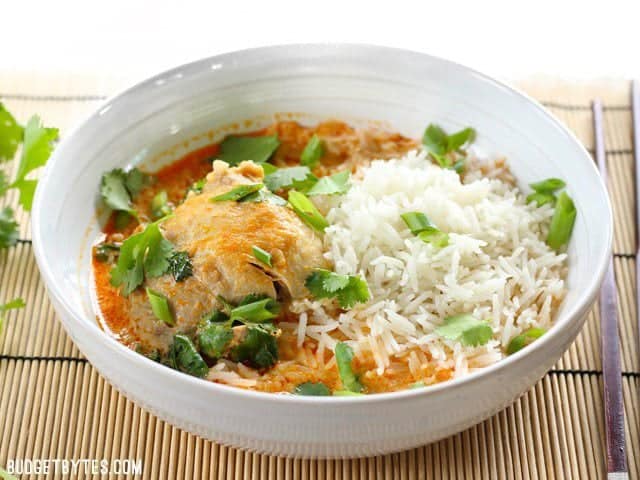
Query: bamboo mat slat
<point x="53" y="404"/>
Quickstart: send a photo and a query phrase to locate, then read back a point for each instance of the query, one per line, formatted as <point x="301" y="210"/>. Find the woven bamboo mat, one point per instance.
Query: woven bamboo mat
<point x="53" y="404"/>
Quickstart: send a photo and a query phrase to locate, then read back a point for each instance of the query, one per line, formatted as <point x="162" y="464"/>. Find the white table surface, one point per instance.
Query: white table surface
<point x="507" y="39"/>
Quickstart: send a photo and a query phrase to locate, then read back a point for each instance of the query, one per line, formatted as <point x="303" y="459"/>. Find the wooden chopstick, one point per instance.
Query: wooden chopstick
<point x="611" y="363"/>
<point x="635" y="112"/>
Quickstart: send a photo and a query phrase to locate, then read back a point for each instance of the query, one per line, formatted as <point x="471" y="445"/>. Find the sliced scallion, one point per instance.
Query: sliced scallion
<point x="307" y="211"/>
<point x="160" y="307"/>
<point x="564" y="216"/>
<point x="238" y="193"/>
<point x="518" y="342"/>
<point x="312" y="152"/>
<point x="261" y="255"/>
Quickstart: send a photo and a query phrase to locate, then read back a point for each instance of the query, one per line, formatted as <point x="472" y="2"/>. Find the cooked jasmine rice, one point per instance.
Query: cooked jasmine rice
<point x="496" y="265"/>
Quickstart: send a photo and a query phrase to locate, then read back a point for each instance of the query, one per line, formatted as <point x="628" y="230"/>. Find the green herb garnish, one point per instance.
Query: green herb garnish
<point x="255" y="310"/>
<point x="312" y="152"/>
<point x="418" y="384"/>
<point x="464" y="327"/>
<point x="104" y="251"/>
<point x="261" y="255"/>
<point x="11" y="305"/>
<point x="436" y="140"/>
<point x="336" y="184"/>
<point x="160" y="206"/>
<point x="527" y="337"/>
<point x="214" y="339"/>
<point x="259" y="347"/>
<point x="307" y="211"/>
<point x="422" y="228"/>
<point x="541" y="198"/>
<point x="550" y="185"/>
<point x="347" y="289"/>
<point x="160" y="307"/>
<point x="344" y="358"/>
<point x="264" y="195"/>
<point x="299" y="178"/>
<point x="183" y="356"/>
<point x="144" y="254"/>
<point x="564" y="217"/>
<point x="347" y="393"/>
<point x="118" y="188"/>
<point x="313" y="389"/>
<point x="197" y="187"/>
<point x="180" y="266"/>
<point x="8" y="228"/>
<point x="10" y="135"/>
<point x="235" y="149"/>
<point x="238" y="193"/>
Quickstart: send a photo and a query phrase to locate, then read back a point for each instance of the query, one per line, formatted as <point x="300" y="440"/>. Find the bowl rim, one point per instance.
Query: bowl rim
<point x="576" y="311"/>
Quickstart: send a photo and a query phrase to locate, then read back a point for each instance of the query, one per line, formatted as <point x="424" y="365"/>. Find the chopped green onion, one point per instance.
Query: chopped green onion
<point x="562" y="222"/>
<point x="257" y="311"/>
<point x="197" y="186"/>
<point x="238" y="193"/>
<point x="312" y="389"/>
<point x="235" y="149"/>
<point x="312" y="152"/>
<point x="426" y="231"/>
<point x="518" y="342"/>
<point x="550" y="185"/>
<point x="464" y="327"/>
<point x="160" y="205"/>
<point x="347" y="393"/>
<point x="183" y="356"/>
<point x="419" y="384"/>
<point x="541" y="198"/>
<point x="307" y="211"/>
<point x="416" y="221"/>
<point x="160" y="307"/>
<point x="261" y="255"/>
<point x="344" y="358"/>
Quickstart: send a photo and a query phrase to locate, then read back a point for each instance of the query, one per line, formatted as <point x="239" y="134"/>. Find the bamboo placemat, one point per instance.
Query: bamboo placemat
<point x="54" y="405"/>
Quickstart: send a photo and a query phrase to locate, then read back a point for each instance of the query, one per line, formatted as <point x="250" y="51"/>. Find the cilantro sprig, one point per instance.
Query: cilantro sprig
<point x="347" y="289"/>
<point x="119" y="187"/>
<point x="448" y="150"/>
<point x="466" y="329"/>
<point x="144" y="254"/>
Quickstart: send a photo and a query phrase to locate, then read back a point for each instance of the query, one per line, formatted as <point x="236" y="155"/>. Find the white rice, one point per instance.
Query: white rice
<point x="496" y="266"/>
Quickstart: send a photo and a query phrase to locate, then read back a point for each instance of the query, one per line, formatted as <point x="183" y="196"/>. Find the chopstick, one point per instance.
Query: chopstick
<point x="635" y="112"/>
<point x="611" y="363"/>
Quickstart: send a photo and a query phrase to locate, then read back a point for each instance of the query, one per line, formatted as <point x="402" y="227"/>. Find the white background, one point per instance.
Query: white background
<point x="508" y="39"/>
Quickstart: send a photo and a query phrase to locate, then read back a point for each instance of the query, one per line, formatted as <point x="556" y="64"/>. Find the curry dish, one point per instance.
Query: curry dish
<point x="218" y="266"/>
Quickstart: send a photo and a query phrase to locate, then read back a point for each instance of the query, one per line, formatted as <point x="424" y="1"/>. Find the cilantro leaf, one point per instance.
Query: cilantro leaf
<point x="258" y="348"/>
<point x="344" y="358"/>
<point x="135" y="181"/>
<point x="336" y="184"/>
<point x="313" y="151"/>
<point x="12" y="305"/>
<point x="10" y="135"/>
<point x="4" y="183"/>
<point x="318" y="389"/>
<point x="299" y="178"/>
<point x="437" y="142"/>
<point x="145" y="253"/>
<point x="235" y="149"/>
<point x="114" y="191"/>
<point x="183" y="356"/>
<point x="8" y="228"/>
<point x="36" y="150"/>
<point x="180" y="266"/>
<point x="214" y="338"/>
<point x="464" y="327"/>
<point x="347" y="289"/>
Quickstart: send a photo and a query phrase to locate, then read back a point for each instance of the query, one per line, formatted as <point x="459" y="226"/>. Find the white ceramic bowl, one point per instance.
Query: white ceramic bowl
<point x="161" y="118"/>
